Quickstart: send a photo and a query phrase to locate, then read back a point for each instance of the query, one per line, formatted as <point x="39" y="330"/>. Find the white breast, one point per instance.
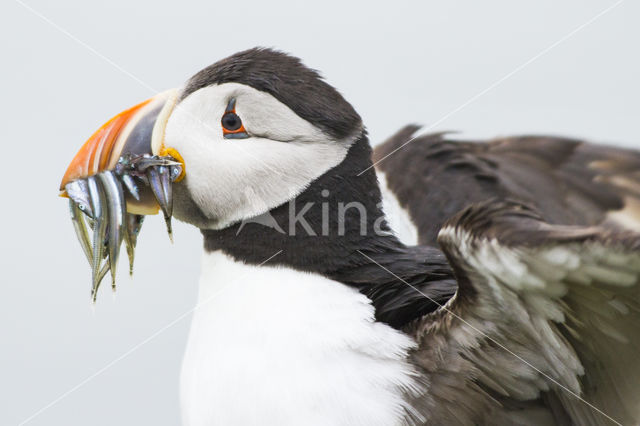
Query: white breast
<point x="274" y="346"/>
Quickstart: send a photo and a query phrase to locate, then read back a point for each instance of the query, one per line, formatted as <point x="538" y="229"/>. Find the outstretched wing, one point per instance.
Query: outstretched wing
<point x="545" y="326"/>
<point x="569" y="181"/>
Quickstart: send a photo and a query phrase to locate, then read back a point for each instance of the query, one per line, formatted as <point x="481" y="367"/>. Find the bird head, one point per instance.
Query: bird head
<point x="239" y="138"/>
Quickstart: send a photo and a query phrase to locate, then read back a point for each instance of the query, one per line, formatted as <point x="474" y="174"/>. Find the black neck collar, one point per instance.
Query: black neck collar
<point x="341" y="233"/>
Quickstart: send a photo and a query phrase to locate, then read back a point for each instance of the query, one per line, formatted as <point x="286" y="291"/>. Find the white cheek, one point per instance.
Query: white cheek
<point x="266" y="117"/>
<point x="234" y="179"/>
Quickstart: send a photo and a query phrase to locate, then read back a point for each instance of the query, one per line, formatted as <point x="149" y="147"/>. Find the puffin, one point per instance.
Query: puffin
<point x="431" y="281"/>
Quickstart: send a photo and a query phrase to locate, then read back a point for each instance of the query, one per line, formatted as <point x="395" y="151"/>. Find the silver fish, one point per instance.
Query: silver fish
<point x="133" y="223"/>
<point x="159" y="178"/>
<point x="130" y="183"/>
<point x="78" y="191"/>
<point x="116" y="211"/>
<point x="99" y="206"/>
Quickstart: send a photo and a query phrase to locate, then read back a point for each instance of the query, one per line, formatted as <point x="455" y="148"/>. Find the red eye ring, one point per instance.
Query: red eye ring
<point x="231" y="123"/>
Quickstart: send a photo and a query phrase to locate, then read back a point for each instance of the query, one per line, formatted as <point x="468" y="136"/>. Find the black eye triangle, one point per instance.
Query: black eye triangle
<point x="231" y="106"/>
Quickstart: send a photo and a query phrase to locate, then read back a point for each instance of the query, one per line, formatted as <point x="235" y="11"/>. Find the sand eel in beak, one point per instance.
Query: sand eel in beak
<point x="120" y="174"/>
<point x="430" y="282"/>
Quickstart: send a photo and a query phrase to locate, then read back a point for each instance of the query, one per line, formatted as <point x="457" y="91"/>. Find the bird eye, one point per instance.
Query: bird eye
<point x="232" y="127"/>
<point x="231" y="121"/>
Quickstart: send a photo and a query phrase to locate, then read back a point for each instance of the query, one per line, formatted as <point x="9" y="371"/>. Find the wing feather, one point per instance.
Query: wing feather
<point x="569" y="181"/>
<point x="543" y="313"/>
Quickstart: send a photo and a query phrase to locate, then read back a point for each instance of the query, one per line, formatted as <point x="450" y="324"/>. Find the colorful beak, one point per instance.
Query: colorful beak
<point x="121" y="173"/>
<point x="136" y="131"/>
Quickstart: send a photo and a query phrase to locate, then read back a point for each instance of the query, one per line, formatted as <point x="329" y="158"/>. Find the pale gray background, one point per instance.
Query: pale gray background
<point x="397" y="63"/>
